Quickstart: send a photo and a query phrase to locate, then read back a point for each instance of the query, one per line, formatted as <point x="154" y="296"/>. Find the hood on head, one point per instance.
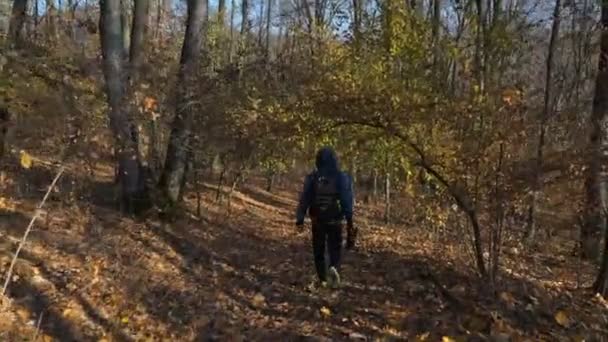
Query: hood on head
<point x="327" y="161"/>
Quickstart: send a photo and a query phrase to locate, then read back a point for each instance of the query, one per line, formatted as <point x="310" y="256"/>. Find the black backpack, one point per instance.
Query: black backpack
<point x="326" y="205"/>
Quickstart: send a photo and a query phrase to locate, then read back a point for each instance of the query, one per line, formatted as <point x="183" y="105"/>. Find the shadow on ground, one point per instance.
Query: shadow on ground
<point x="241" y="276"/>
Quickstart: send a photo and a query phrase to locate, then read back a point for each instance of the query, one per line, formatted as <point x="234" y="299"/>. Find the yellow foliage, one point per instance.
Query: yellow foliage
<point x="562" y="319"/>
<point x="6" y="204"/>
<point x="325" y="312"/>
<point x="25" y="160"/>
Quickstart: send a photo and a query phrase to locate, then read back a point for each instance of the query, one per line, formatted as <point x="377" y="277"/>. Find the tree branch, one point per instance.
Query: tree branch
<point x="459" y="194"/>
<point x="9" y="273"/>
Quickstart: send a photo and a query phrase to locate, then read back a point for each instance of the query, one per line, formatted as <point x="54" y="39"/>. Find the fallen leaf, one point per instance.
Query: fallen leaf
<point x="325" y="311"/>
<point x="602" y="300"/>
<point x="25" y="160"/>
<point x="6" y="204"/>
<point x="6" y="321"/>
<point x="507" y="298"/>
<point x="125" y="320"/>
<point x="357" y="337"/>
<point x="23" y="314"/>
<point x="68" y="312"/>
<point x="578" y="338"/>
<point x="447" y="339"/>
<point x="423" y="337"/>
<point x="562" y="319"/>
<point x="149" y="103"/>
<point x="258" y="300"/>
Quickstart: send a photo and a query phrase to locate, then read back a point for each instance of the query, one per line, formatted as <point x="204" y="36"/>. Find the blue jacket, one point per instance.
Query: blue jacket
<point x="327" y="165"/>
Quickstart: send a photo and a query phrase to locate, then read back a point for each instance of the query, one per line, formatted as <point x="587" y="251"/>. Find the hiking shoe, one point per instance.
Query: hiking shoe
<point x="334" y="277"/>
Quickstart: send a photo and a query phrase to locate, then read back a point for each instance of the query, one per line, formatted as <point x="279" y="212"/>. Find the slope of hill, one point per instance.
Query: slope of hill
<point x="243" y="273"/>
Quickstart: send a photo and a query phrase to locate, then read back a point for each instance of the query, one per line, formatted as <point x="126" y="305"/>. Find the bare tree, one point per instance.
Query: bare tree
<point x="138" y="34"/>
<point x="179" y="150"/>
<point x="244" y="17"/>
<point x="601" y="283"/>
<point x="269" y="6"/>
<point x="130" y="175"/>
<point x="544" y="117"/>
<point x="261" y="30"/>
<point x="596" y="177"/>
<point x="221" y="13"/>
<point x="126" y="30"/>
<point x="17" y="22"/>
<point x="357" y="12"/>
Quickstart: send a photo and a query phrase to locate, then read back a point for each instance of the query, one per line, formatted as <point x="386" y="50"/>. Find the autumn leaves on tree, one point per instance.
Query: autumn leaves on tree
<point x="451" y="90"/>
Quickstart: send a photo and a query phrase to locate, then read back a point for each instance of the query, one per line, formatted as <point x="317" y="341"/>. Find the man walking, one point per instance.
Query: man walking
<point x="328" y="198"/>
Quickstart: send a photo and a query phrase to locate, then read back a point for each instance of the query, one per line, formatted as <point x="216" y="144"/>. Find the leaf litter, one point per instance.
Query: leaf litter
<point x="244" y="276"/>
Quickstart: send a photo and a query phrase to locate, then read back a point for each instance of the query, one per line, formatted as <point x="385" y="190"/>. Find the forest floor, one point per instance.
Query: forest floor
<point x="89" y="274"/>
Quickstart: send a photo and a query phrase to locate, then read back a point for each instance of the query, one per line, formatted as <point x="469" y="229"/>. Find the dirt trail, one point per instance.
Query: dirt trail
<point x="243" y="274"/>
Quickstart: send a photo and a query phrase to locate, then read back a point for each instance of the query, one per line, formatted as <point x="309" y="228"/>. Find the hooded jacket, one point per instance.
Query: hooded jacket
<point x="326" y="163"/>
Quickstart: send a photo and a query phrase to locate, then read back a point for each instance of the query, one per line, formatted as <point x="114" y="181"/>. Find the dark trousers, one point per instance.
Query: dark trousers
<point x="331" y="235"/>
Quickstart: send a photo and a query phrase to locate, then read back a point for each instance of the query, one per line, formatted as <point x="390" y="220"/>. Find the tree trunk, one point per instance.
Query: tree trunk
<point x="179" y="149"/>
<point x="159" y="19"/>
<point x="221" y="14"/>
<point x="320" y="9"/>
<point x="29" y="22"/>
<point x="245" y="17"/>
<point x="497" y="10"/>
<point x="164" y="13"/>
<point x="231" y="44"/>
<point x="388" y="25"/>
<point x="139" y="28"/>
<point x="73" y="6"/>
<point x="261" y="21"/>
<point x="130" y="176"/>
<point x="126" y="31"/>
<point x="479" y="49"/>
<point x="601" y="283"/>
<point x="15" y="32"/>
<point x="270" y="181"/>
<point x="268" y="24"/>
<point x="375" y="188"/>
<point x="5" y="119"/>
<point x="206" y="12"/>
<point x="387" y="197"/>
<point x="50" y="19"/>
<point x="497" y="229"/>
<point x="547" y="108"/>
<point x="197" y="188"/>
<point x="220" y="183"/>
<point x="595" y="182"/>
<point x="436" y="19"/>
<point x="436" y="31"/>
<point x="167" y="14"/>
<point x="138" y="36"/>
<point x="357" y="22"/>
<point x="36" y="15"/>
